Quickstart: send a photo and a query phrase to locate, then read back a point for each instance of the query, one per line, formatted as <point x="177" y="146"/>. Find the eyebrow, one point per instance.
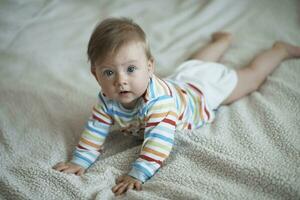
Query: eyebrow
<point x="126" y="63"/>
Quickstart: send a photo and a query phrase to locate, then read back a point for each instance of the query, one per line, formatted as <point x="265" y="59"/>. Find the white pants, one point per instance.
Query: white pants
<point x="215" y="80"/>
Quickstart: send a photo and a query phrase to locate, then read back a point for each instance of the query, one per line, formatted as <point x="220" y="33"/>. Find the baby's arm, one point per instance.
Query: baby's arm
<point x="90" y="144"/>
<point x="157" y="145"/>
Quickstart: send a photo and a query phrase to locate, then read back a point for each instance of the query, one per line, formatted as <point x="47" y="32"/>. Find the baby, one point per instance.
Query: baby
<point x="140" y="103"/>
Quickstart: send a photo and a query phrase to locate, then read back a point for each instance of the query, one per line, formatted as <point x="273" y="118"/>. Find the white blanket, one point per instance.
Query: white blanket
<point x="250" y="151"/>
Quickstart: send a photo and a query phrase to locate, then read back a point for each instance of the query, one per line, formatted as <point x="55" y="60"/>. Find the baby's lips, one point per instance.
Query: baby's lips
<point x="123" y="92"/>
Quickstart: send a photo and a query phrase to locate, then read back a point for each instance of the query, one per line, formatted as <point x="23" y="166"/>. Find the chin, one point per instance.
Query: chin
<point x="128" y="103"/>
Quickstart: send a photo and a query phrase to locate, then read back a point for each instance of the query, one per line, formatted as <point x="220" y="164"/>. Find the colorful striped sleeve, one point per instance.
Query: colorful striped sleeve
<point x="93" y="137"/>
<point x="158" y="139"/>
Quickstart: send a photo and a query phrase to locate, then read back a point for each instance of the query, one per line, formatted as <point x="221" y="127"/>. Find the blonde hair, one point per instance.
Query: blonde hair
<point x="111" y="34"/>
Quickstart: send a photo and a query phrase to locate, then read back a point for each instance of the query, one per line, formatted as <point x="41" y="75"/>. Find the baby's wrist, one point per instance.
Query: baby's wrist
<point x="138" y="175"/>
<point x="78" y="163"/>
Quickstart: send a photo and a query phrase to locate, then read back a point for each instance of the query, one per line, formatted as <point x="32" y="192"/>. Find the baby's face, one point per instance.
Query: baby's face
<point x="125" y="77"/>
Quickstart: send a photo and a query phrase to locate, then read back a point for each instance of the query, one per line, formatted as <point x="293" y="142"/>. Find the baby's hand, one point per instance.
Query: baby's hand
<point x="125" y="183"/>
<point x="69" y="168"/>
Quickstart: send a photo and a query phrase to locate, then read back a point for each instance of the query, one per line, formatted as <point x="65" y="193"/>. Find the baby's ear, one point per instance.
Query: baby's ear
<point x="93" y="70"/>
<point x="151" y="66"/>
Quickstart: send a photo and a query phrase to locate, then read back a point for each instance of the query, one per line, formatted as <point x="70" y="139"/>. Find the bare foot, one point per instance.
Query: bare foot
<point x="291" y="51"/>
<point x="222" y="36"/>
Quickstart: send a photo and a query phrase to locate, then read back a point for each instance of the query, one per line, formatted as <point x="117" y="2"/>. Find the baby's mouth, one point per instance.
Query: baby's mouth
<point x="124" y="92"/>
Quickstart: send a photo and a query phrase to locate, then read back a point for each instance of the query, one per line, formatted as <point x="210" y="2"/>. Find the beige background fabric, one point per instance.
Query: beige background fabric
<point x="250" y="151"/>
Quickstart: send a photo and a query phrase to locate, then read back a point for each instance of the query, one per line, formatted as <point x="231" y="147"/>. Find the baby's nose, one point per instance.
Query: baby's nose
<point x="121" y="79"/>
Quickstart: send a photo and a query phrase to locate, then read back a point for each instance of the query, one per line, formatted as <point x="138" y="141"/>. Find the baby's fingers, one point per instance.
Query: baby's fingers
<point x="80" y="172"/>
<point x="70" y="170"/>
<point x="138" y="186"/>
<point x="117" y="187"/>
<point x="121" y="189"/>
<point x="130" y="186"/>
<point x="60" y="166"/>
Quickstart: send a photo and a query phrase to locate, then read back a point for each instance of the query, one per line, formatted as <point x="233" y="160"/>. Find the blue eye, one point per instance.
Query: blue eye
<point x="108" y="73"/>
<point x="131" y="68"/>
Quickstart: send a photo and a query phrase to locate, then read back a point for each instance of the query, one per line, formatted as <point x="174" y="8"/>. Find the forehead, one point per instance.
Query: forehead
<point x="128" y="52"/>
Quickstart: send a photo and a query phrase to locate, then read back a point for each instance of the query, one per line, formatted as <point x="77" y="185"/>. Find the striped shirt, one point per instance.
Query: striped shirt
<point x="165" y="106"/>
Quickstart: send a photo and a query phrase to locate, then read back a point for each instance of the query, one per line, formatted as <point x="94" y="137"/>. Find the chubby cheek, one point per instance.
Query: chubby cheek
<point x="107" y="88"/>
<point x="141" y="84"/>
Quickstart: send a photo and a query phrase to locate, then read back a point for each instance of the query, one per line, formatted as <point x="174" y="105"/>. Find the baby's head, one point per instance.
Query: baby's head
<point x="121" y="60"/>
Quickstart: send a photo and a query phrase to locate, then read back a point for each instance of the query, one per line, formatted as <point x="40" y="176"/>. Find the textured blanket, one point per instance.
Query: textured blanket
<point x="250" y="151"/>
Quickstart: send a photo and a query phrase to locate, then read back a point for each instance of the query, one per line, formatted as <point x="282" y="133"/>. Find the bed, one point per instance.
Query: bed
<point x="250" y="151"/>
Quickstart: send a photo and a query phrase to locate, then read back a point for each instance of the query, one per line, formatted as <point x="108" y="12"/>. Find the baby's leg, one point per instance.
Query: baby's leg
<point x="214" y="50"/>
<point x="251" y="77"/>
